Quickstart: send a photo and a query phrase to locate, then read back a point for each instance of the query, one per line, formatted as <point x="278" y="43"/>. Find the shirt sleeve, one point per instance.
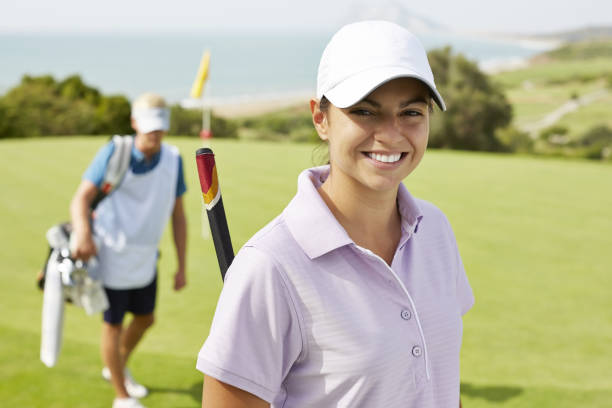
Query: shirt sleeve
<point x="97" y="168"/>
<point x="465" y="296"/>
<point x="181" y="187"/>
<point x="255" y="336"/>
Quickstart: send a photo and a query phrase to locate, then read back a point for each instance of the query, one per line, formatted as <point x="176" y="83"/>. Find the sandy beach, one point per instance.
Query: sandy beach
<point x="251" y="106"/>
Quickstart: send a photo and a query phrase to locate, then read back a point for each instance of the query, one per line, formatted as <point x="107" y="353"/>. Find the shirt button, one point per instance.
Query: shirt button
<point x="417" y="351"/>
<point x="406" y="315"/>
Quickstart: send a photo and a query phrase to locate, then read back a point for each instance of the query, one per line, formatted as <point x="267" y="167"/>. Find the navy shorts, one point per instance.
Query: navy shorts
<point x="140" y="301"/>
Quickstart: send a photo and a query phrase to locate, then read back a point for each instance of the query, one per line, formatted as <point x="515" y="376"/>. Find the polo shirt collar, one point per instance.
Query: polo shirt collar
<point x="139" y="156"/>
<point x="315" y="228"/>
<point x="410" y="213"/>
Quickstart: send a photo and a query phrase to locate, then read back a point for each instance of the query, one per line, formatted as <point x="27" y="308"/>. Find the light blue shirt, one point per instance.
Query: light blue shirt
<point x="138" y="164"/>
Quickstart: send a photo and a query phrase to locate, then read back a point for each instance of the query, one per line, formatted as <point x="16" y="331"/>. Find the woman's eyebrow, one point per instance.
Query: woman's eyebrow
<point x="419" y="99"/>
<point x="371" y="102"/>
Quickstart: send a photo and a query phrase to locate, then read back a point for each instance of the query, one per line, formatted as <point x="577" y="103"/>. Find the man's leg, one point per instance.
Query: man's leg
<point x="132" y="335"/>
<point x="109" y="348"/>
<point x="142" y="306"/>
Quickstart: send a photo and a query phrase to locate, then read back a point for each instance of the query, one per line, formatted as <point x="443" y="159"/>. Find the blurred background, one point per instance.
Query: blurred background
<point x="520" y="163"/>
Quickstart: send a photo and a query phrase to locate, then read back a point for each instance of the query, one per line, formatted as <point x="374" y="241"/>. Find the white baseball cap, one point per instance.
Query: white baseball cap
<point x="151" y="119"/>
<point x="362" y="56"/>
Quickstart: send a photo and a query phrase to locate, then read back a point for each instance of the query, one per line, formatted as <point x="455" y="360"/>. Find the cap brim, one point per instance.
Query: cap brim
<point x="353" y="89"/>
<point x="152" y="119"/>
<point x="151" y="124"/>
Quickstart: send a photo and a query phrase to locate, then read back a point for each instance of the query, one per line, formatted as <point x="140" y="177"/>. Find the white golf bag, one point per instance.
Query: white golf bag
<point x="66" y="279"/>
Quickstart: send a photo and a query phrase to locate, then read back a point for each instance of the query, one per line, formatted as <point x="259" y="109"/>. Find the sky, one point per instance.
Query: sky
<point x="517" y="16"/>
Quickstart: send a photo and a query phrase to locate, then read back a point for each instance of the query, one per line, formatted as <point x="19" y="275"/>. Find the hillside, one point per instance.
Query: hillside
<point x="582" y="34"/>
<point x="581" y="50"/>
<point x="563" y="99"/>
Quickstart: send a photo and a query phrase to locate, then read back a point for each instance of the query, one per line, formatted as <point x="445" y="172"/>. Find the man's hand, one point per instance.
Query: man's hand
<point x="179" y="280"/>
<point x="84" y="247"/>
<point x="179" y="233"/>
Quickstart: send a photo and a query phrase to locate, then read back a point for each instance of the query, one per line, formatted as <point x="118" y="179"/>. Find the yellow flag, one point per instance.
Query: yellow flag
<point x="198" y="84"/>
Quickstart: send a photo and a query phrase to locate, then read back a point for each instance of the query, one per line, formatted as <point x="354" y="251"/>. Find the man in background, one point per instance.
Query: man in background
<point x="128" y="225"/>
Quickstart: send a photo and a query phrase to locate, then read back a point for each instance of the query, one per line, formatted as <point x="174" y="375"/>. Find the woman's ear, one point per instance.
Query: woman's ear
<point x="319" y="118"/>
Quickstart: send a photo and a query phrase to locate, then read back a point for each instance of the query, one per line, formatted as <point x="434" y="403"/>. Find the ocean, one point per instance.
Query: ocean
<point x="244" y="66"/>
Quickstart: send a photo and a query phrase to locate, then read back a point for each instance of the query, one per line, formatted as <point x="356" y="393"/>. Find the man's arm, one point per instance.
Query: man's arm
<point x="217" y="394"/>
<point x="179" y="231"/>
<point x="84" y="247"/>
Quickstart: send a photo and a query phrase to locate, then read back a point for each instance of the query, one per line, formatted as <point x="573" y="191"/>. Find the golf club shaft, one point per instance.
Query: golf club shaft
<point x="209" y="182"/>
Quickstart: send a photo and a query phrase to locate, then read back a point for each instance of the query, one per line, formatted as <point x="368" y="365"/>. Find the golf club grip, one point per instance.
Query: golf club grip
<point x="209" y="182"/>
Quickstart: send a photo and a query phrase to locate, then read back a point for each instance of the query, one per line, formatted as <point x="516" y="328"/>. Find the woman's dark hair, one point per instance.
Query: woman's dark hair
<point x="324" y="104"/>
<point x="320" y="154"/>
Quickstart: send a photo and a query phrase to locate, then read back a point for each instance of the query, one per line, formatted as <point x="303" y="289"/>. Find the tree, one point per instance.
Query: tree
<point x="42" y="106"/>
<point x="113" y="115"/>
<point x="73" y="88"/>
<point x="476" y="107"/>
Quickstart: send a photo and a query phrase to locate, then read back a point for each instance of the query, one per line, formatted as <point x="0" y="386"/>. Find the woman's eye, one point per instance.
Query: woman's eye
<point x="411" y="112"/>
<point x="362" y="112"/>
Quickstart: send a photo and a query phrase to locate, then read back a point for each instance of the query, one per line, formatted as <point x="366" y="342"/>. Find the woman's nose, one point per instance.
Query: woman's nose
<point x="389" y="130"/>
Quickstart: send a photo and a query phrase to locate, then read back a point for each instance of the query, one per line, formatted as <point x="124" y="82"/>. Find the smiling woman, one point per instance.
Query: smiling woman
<point x="378" y="141"/>
<point x="353" y="296"/>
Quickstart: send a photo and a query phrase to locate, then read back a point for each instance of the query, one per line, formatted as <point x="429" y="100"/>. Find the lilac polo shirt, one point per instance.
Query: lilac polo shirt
<point x="307" y="318"/>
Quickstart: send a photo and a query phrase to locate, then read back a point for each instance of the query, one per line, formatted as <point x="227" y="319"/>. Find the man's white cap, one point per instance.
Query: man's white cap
<point x="362" y="56"/>
<point x="151" y="119"/>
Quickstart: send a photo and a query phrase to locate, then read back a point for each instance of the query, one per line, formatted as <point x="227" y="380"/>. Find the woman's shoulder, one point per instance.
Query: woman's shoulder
<point x="263" y="257"/>
<point x="273" y="242"/>
<point x="433" y="219"/>
<point x="274" y="233"/>
<point x="429" y="209"/>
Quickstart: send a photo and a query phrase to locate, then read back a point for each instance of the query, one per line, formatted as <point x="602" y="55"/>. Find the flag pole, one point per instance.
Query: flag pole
<point x="197" y="92"/>
<point x="206" y="119"/>
<point x="206" y="132"/>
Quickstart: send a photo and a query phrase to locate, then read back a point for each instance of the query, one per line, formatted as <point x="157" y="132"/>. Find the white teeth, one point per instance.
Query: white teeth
<point x="385" y="158"/>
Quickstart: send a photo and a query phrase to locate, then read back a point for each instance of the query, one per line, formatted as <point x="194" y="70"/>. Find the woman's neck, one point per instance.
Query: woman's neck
<point x="370" y="218"/>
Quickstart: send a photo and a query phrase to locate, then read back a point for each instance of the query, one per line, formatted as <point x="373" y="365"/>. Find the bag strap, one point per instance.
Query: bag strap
<point x="118" y="165"/>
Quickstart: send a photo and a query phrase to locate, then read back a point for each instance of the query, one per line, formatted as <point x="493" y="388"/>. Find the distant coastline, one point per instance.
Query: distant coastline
<point x="248" y="72"/>
<point x="250" y="105"/>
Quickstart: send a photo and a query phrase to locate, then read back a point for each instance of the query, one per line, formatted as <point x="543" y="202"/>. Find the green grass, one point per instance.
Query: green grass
<point x="582" y="50"/>
<point x="534" y="236"/>
<point x="532" y="103"/>
<point x="544" y="86"/>
<point x="555" y="71"/>
<point x="587" y="117"/>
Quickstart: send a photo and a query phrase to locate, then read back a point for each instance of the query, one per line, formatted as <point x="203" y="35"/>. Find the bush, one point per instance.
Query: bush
<point x="188" y="122"/>
<point x="41" y="106"/>
<point x="292" y="124"/>
<point x="476" y="107"/>
<point x="553" y="133"/>
<point x="185" y="122"/>
<point x="113" y="116"/>
<point x="223" y="128"/>
<point x="514" y="140"/>
<point x="598" y="142"/>
<point x="597" y="135"/>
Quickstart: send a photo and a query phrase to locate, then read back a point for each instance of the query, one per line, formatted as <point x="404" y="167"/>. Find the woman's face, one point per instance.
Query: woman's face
<point x="380" y="140"/>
